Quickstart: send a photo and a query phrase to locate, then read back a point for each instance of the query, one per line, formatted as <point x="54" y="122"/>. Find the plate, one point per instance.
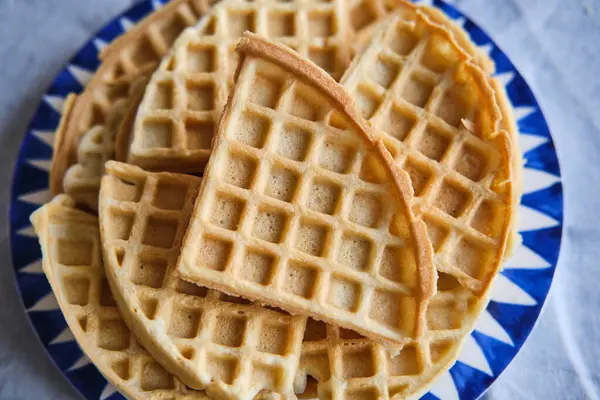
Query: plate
<point x="517" y="296"/>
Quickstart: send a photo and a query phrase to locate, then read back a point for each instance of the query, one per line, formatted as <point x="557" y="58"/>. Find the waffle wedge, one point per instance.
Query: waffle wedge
<point x="408" y="12"/>
<point x="72" y="262"/>
<point x="297" y="183"/>
<point x="231" y="348"/>
<point x="177" y="117"/>
<point x="437" y="113"/>
<point x="129" y="57"/>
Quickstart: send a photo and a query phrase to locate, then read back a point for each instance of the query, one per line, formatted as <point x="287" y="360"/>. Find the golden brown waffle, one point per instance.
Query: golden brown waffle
<point x="98" y="145"/>
<point x="301" y="209"/>
<point x="327" y="352"/>
<point x="209" y="340"/>
<point x="72" y="262"/>
<point x="365" y="14"/>
<point x="125" y="61"/>
<point x="437" y="114"/>
<point x="136" y="52"/>
<point x="371" y="13"/>
<point x="347" y="366"/>
<point x="176" y="120"/>
<point x="82" y="180"/>
<point x="408" y="12"/>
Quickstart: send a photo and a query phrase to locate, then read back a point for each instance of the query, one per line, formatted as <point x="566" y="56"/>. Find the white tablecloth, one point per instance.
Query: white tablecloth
<point x="556" y="46"/>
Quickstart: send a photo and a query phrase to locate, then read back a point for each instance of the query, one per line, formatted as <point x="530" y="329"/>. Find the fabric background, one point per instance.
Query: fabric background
<point x="556" y="46"/>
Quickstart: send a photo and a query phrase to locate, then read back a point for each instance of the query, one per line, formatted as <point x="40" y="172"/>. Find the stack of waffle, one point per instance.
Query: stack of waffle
<point x="298" y="199"/>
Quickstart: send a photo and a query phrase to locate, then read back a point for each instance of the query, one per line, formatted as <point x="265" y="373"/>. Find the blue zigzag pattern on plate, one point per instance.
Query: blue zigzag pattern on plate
<point x="516" y="299"/>
<point x="517" y="319"/>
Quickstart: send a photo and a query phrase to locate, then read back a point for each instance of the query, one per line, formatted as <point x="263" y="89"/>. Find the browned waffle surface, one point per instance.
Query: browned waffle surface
<point x="177" y="117"/>
<point x="72" y="262"/>
<point x="340" y="364"/>
<point x="300" y="209"/>
<point x="383" y="82"/>
<point x="136" y="52"/>
<point x="210" y="340"/>
<point x="437" y="114"/>
<point x="419" y="86"/>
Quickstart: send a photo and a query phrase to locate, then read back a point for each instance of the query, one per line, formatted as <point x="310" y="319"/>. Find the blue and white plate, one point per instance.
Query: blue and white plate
<point x="516" y="298"/>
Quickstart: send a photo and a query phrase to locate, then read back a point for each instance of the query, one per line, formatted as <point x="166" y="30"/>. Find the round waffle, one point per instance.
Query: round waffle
<point x="72" y="262"/>
<point x="231" y="348"/>
<point x="131" y="56"/>
<point x="176" y="120"/>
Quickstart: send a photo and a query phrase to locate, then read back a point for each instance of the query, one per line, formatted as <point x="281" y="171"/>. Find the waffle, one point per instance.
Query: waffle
<point x="209" y="340"/>
<point x="408" y="12"/>
<point x="372" y="13"/>
<point x="72" y="262"/>
<point x="132" y="370"/>
<point x="365" y="14"/>
<point x="124" y="60"/>
<point x="82" y="180"/>
<point x="125" y="129"/>
<point x="296" y="182"/>
<point x="176" y="120"/>
<point x="344" y="364"/>
<point x="340" y="364"/>
<point x="437" y="114"/>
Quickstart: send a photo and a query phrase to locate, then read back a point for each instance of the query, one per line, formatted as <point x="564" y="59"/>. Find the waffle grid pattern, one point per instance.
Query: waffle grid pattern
<point x="70" y="241"/>
<point x="294" y="211"/>
<point x="177" y="118"/>
<point x="97" y="145"/>
<point x="403" y="93"/>
<point x="450" y="314"/>
<point x="364" y="14"/>
<point x="222" y="343"/>
<point x="133" y="55"/>
<point x="348" y="366"/>
<point x="432" y="118"/>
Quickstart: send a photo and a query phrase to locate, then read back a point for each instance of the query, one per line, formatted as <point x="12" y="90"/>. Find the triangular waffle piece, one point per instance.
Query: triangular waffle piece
<point x="130" y="56"/>
<point x="408" y="11"/>
<point x="178" y="115"/>
<point x="302" y="210"/>
<point x="72" y="262"/>
<point x="437" y="113"/>
<point x="209" y="340"/>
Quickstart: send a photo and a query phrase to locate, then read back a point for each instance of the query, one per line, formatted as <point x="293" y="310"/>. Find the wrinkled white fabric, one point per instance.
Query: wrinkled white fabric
<point x="556" y="46"/>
